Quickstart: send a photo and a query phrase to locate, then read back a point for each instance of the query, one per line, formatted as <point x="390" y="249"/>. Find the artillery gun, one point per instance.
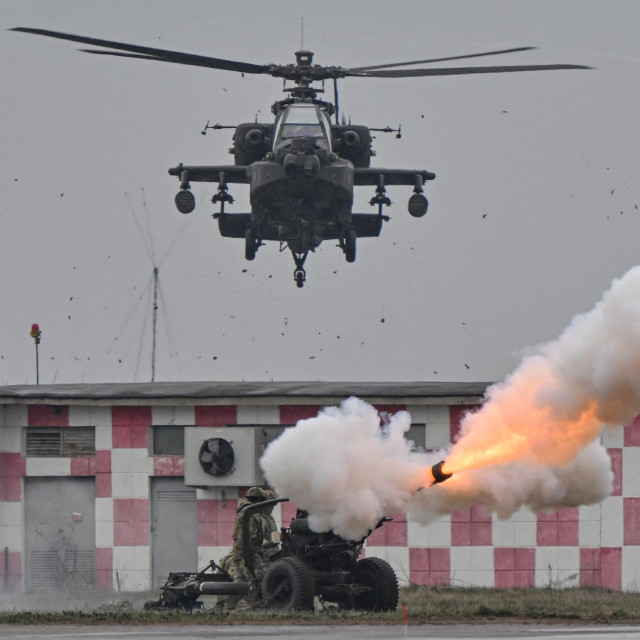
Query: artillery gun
<point x="306" y="566"/>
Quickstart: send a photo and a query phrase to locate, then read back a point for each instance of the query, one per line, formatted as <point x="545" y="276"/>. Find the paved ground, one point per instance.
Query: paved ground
<point x="247" y="632"/>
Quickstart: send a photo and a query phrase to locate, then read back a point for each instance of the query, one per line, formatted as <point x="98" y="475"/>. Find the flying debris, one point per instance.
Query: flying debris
<point x="535" y="440"/>
<point x="301" y="168"/>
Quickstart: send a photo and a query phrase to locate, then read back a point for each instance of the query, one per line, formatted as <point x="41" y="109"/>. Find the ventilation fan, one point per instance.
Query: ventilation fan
<point x="217" y="457"/>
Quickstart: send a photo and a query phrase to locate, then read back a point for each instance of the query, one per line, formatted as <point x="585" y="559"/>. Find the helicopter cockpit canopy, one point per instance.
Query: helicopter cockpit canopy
<point x="303" y="121"/>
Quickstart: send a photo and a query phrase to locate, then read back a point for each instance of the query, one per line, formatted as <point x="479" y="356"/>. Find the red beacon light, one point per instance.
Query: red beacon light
<point x="35" y="332"/>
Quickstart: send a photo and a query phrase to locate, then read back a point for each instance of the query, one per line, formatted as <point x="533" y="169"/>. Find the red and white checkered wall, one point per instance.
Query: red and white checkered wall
<point x="589" y="546"/>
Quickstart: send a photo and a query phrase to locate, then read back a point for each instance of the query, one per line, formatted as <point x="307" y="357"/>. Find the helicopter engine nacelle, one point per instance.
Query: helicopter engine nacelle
<point x="251" y="142"/>
<point x="351" y="139"/>
<point x="352" y="142"/>
<point x="254" y="138"/>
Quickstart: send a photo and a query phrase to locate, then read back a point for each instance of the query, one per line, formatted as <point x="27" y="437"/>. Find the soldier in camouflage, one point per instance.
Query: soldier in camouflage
<point x="271" y="538"/>
<point x="262" y="543"/>
<point x="261" y="546"/>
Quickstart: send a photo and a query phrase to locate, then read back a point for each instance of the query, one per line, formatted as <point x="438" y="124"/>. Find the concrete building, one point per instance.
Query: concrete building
<point x="93" y="492"/>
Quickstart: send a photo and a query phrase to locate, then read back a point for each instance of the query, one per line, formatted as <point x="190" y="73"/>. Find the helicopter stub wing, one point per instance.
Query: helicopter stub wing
<point x="361" y="176"/>
<point x="231" y="173"/>
<point x="371" y="176"/>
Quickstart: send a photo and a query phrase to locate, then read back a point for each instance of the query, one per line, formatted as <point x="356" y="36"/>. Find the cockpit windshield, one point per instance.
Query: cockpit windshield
<point x="299" y="130"/>
<point x="303" y="121"/>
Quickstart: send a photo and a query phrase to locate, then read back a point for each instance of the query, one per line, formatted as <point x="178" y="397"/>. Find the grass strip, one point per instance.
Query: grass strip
<point x="424" y="605"/>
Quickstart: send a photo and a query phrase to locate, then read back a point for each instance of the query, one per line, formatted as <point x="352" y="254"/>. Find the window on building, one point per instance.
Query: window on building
<point x="168" y="440"/>
<point x="418" y="435"/>
<point x="59" y="442"/>
<point x="270" y="433"/>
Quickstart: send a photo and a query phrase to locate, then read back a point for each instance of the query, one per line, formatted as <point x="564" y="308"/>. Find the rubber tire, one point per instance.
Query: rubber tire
<point x="250" y="247"/>
<point x="288" y="585"/>
<point x="350" y="245"/>
<point x="378" y="575"/>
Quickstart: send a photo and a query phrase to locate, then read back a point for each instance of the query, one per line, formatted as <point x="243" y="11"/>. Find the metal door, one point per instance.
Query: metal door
<point x="60" y="533"/>
<point x="174" y="528"/>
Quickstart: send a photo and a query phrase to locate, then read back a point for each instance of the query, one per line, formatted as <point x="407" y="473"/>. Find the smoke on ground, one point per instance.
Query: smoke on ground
<point x="534" y="442"/>
<point x="87" y="600"/>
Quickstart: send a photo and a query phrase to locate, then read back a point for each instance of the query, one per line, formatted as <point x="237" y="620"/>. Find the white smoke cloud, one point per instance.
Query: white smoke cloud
<point x="345" y="469"/>
<point x="533" y="443"/>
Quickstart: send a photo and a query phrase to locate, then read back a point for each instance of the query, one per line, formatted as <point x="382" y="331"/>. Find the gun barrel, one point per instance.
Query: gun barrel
<point x="439" y="475"/>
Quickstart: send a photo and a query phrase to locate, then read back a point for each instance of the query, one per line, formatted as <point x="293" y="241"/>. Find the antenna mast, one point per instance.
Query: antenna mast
<point x="35" y="334"/>
<point x="154" y="330"/>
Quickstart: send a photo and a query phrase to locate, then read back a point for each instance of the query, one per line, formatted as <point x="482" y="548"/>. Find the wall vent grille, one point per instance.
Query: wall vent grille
<point x="50" y="571"/>
<point x="176" y="495"/>
<point x="60" y="442"/>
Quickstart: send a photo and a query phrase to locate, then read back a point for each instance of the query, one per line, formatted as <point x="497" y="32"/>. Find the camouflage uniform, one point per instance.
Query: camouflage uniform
<point x="269" y="545"/>
<point x="261" y="525"/>
<point x="224" y="565"/>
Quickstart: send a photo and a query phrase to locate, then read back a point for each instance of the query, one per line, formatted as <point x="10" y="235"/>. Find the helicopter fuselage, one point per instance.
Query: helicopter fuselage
<point x="306" y="209"/>
<point x="301" y="173"/>
<point x="301" y="177"/>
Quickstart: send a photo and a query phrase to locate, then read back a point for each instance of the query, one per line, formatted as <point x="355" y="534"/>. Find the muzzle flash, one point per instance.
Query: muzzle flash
<point x="438" y="474"/>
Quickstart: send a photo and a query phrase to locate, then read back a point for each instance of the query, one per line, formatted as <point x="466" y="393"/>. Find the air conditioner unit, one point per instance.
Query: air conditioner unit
<point x="222" y="456"/>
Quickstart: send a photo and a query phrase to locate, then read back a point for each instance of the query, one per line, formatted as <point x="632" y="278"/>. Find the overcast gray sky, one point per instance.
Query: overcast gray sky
<point x="533" y="212"/>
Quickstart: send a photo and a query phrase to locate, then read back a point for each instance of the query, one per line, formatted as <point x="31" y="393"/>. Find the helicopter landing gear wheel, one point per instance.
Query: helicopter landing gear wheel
<point x="348" y="244"/>
<point x="251" y="244"/>
<point x="299" y="274"/>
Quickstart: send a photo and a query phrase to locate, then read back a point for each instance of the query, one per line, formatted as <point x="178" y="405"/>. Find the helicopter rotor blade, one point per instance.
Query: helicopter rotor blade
<point x="454" y="71"/>
<point x="300" y="75"/>
<point x="120" y="54"/>
<point x="153" y="53"/>
<point x="470" y="55"/>
<point x="140" y="56"/>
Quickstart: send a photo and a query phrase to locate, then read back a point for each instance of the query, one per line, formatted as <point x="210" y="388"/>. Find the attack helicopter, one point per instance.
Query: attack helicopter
<point x="302" y="167"/>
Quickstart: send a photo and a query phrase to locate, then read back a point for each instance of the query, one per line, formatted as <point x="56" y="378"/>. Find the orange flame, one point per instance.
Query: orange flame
<point x="520" y="422"/>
